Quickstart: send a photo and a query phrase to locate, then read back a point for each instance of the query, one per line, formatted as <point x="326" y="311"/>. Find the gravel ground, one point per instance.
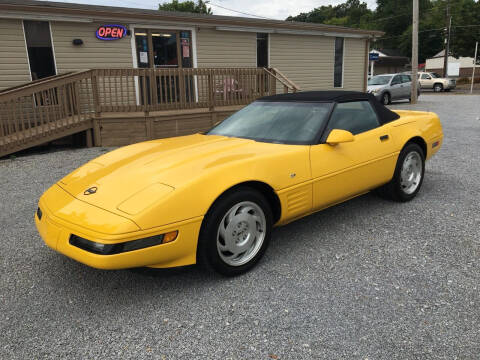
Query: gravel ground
<point x="365" y="279"/>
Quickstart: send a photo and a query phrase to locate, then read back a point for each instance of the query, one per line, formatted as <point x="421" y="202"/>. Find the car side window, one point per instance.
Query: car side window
<point x="355" y="116"/>
<point x="396" y="80"/>
<point x="426" y="77"/>
<point x="406" y="79"/>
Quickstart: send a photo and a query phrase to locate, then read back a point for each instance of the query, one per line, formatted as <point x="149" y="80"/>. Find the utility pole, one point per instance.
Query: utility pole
<point x="473" y="68"/>
<point x="447" y="40"/>
<point x="413" y="95"/>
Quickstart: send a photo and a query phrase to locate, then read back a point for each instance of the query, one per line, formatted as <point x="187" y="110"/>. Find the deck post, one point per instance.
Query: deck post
<point x="89" y="138"/>
<point x="96" y="100"/>
<point x="149" y="127"/>
<point x="273" y="84"/>
<point x="97" y="139"/>
<point x="211" y="93"/>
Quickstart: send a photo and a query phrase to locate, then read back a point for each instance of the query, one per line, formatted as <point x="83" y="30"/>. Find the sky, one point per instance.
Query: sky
<point x="273" y="9"/>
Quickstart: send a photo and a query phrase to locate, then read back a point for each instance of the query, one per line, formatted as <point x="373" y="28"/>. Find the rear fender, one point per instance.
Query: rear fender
<point x="423" y="125"/>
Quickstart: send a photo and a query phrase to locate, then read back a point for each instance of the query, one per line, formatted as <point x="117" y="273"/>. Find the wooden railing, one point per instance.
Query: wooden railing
<point x="43" y="108"/>
<point x="126" y="90"/>
<point x="38" y="110"/>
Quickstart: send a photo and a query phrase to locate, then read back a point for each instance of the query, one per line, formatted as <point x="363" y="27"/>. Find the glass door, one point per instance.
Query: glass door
<point x="165" y="49"/>
<point x="165" y="52"/>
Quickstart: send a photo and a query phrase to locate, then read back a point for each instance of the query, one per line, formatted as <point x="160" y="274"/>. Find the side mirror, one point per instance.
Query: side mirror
<point x="338" y="136"/>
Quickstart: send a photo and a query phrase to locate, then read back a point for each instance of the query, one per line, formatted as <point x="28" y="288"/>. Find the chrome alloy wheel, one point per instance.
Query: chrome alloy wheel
<point x="241" y="233"/>
<point x="411" y="173"/>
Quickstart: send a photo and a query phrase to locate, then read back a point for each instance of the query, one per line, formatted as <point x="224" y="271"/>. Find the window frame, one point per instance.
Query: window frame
<point x="343" y="61"/>
<point x="326" y="132"/>
<point x="52" y="46"/>
<point x="267" y="39"/>
<point x="316" y="139"/>
<point x="394" y="77"/>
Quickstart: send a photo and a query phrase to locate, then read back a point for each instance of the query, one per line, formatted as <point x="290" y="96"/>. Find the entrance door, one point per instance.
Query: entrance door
<point x="39" y="48"/>
<point x="166" y="49"/>
<point x="163" y="48"/>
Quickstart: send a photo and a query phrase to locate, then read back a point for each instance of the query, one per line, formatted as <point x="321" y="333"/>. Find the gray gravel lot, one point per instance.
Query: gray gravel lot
<point x="365" y="279"/>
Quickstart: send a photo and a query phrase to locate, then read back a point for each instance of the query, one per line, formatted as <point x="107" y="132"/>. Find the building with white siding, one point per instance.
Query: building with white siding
<point x="457" y="67"/>
<point x="39" y="39"/>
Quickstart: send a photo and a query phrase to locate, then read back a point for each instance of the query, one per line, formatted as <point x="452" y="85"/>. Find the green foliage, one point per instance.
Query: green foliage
<point x="200" y="7"/>
<point x="351" y="13"/>
<point x="394" y="17"/>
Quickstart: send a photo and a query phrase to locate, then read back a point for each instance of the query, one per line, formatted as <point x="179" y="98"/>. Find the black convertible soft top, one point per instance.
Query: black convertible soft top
<point x="385" y="115"/>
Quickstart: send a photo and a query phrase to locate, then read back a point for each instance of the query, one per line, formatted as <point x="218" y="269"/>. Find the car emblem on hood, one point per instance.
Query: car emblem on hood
<point x="90" y="191"/>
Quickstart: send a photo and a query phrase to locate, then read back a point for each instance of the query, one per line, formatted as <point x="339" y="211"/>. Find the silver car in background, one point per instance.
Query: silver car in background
<point x="390" y="87"/>
<point x="431" y="80"/>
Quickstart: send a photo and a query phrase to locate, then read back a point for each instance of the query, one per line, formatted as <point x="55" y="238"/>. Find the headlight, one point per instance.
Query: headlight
<point x="374" y="91"/>
<point x="111" y="249"/>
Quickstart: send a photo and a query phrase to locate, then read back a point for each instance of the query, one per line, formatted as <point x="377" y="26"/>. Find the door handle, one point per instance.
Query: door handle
<point x="383" y="137"/>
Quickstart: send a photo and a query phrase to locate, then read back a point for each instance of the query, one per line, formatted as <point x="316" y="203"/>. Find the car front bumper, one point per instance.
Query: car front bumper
<point x="378" y="95"/>
<point x="450" y="86"/>
<point x="56" y="232"/>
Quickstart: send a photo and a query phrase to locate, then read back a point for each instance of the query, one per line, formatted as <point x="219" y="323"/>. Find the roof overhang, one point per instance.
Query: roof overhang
<point x="289" y="31"/>
<point x="57" y="11"/>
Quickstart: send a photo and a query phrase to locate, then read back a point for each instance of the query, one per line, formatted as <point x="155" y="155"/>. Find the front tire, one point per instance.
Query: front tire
<point x="438" y="87"/>
<point x="235" y="232"/>
<point x="386" y="99"/>
<point x="408" y="176"/>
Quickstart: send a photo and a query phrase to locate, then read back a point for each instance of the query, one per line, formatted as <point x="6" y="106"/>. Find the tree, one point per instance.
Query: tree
<point x="465" y="27"/>
<point x="394" y="17"/>
<point x="352" y="13"/>
<point x="201" y="7"/>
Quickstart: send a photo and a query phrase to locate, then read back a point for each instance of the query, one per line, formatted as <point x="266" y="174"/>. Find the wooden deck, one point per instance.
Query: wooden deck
<point x="123" y="106"/>
<point x="116" y="129"/>
<point x="39" y="135"/>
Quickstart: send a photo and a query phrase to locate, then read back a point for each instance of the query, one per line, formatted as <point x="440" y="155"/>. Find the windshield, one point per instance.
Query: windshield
<point x="435" y="75"/>
<point x="379" y="80"/>
<point x="278" y="122"/>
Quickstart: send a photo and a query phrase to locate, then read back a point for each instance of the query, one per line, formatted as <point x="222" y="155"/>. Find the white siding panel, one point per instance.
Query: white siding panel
<point x="14" y="68"/>
<point x="309" y="60"/>
<point x="354" y="64"/>
<point x="226" y="48"/>
<point x="306" y="60"/>
<point x="94" y="53"/>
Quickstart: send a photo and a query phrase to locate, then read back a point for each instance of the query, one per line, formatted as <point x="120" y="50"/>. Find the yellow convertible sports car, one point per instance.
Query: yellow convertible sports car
<point x="213" y="198"/>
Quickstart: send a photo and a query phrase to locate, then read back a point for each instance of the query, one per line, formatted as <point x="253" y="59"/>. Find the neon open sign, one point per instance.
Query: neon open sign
<point x="111" y="32"/>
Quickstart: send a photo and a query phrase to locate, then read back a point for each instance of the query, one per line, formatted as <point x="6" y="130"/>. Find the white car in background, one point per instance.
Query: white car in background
<point x="389" y="87"/>
<point x="431" y="80"/>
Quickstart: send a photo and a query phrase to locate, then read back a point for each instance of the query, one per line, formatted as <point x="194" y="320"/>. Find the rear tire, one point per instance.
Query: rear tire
<point x="408" y="177"/>
<point x="438" y="87"/>
<point x="235" y="232"/>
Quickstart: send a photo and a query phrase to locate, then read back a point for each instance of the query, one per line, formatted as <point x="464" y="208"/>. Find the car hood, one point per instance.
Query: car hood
<point x="375" y="87"/>
<point x="156" y="168"/>
<point x="442" y="79"/>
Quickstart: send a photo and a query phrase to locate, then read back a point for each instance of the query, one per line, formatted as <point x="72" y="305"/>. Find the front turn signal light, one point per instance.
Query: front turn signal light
<point x="169" y="237"/>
